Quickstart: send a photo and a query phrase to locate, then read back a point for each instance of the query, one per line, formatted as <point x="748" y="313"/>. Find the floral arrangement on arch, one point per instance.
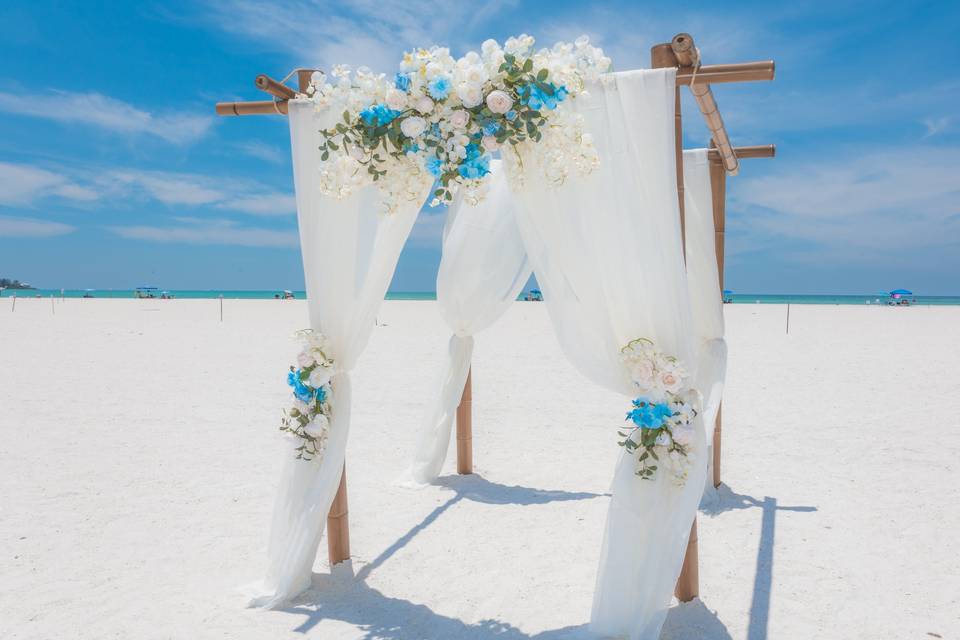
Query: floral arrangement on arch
<point x="442" y="118"/>
<point x="308" y="420"/>
<point x="661" y="428"/>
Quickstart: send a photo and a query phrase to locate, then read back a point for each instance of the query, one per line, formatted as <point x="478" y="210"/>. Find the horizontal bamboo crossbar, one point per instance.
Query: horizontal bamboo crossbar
<point x="255" y="108"/>
<point x="721" y="73"/>
<point x="755" y="151"/>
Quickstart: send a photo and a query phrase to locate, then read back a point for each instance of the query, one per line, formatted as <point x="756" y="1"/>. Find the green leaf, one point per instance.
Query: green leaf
<point x="325" y="156"/>
<point x="547" y="89"/>
<point x="438" y="192"/>
<point x="346" y="116"/>
<point x="332" y="145"/>
<point x="528" y="65"/>
<point x="542" y="75"/>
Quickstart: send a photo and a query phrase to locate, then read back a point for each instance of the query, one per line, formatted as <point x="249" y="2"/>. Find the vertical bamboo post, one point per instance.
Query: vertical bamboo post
<point x="718" y="190"/>
<point x="303" y="79"/>
<point x="13" y="307"/>
<point x="788" y="318"/>
<point x="465" y="428"/>
<point x="338" y="524"/>
<point x="662" y="55"/>
<point x="53" y="308"/>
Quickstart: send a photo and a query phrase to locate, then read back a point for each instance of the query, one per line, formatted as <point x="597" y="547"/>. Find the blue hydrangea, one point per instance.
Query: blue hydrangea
<point x="434" y="166"/>
<point x="378" y="115"/>
<point x="401" y="81"/>
<point x="648" y="415"/>
<point x="476" y="165"/>
<point x="491" y="128"/>
<point x="511" y="115"/>
<point x="439" y="88"/>
<point x="536" y="98"/>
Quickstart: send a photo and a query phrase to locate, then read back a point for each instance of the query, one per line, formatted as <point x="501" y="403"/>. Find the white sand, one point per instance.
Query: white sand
<point x="138" y="455"/>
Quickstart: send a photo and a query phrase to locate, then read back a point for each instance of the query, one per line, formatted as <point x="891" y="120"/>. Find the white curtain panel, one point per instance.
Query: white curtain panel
<point x="483" y="269"/>
<point x="606" y="249"/>
<point x="706" y="299"/>
<point x="350" y="250"/>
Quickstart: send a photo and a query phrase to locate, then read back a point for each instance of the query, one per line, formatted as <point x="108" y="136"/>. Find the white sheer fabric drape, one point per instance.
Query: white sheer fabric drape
<point x="706" y="299"/>
<point x="606" y="249"/>
<point x="350" y="250"/>
<point x="483" y="268"/>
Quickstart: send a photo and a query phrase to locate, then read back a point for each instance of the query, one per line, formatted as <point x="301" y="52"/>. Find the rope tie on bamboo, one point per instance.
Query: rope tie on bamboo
<point x="696" y="65"/>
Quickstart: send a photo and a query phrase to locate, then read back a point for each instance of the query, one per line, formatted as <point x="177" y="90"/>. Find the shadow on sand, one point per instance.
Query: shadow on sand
<point x="347" y="598"/>
<point x="725" y="499"/>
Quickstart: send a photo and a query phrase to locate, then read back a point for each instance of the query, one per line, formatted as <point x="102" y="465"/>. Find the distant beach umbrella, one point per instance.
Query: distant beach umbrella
<point x="901" y="292"/>
<point x="727" y="292"/>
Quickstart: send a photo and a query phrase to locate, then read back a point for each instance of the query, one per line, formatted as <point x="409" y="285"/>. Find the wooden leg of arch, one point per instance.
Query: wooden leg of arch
<point x="716" y="449"/>
<point x="465" y="428"/>
<point x="688" y="584"/>
<point x="338" y="524"/>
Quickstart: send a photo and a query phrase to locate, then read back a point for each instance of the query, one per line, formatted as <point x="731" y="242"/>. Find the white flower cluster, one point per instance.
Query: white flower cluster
<point x="654" y="373"/>
<point x="308" y="420"/>
<point x="662" y="432"/>
<point x="440" y="118"/>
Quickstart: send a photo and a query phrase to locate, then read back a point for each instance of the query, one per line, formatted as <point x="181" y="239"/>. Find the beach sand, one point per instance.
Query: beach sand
<point x="139" y="454"/>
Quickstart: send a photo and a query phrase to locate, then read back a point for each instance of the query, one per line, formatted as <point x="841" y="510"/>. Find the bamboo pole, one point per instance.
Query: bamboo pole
<point x="662" y="55"/>
<point x="718" y="192"/>
<point x="274" y="88"/>
<point x="688" y="55"/>
<point x="465" y="428"/>
<point x="753" y="151"/>
<point x="338" y="524"/>
<point x="253" y="108"/>
<point x="721" y="73"/>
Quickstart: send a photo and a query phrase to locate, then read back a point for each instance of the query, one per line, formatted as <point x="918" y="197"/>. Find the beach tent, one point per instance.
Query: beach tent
<point x="642" y="202"/>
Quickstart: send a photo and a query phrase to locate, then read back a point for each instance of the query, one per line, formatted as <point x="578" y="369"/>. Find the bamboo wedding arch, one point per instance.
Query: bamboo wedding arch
<point x="724" y="158"/>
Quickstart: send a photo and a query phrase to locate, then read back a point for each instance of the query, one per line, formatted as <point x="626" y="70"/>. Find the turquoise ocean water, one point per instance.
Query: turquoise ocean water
<point x="737" y="298"/>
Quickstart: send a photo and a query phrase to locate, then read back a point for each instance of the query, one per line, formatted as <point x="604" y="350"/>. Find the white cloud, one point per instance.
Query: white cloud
<point x="263" y="151"/>
<point x="24" y="184"/>
<point x="367" y="32"/>
<point x="16" y="227"/>
<point x="266" y="204"/>
<point x="873" y="205"/>
<point x="936" y="125"/>
<point x="200" y="231"/>
<point x="108" y="113"/>
<point x="169" y="188"/>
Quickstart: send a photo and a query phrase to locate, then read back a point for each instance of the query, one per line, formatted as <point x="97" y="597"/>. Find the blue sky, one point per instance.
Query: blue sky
<point x="114" y="172"/>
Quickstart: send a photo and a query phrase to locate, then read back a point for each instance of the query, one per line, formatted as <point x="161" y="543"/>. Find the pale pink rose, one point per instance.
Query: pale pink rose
<point x="319" y="377"/>
<point x="423" y="104"/>
<point x="471" y="95"/>
<point x="396" y="99"/>
<point x="499" y="101"/>
<point x="670" y="381"/>
<point x="683" y="435"/>
<point x="459" y="118"/>
<point x="490" y="143"/>
<point x="304" y="359"/>
<point x="642" y="373"/>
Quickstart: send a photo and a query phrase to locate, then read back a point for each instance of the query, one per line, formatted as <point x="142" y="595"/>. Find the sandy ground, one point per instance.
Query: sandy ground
<point x="138" y="456"/>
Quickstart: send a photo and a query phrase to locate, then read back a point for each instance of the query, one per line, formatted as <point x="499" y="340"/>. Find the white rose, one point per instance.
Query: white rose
<point x="459" y="118"/>
<point x="413" y="126"/>
<point x="642" y="372"/>
<point x="317" y="427"/>
<point x="302" y="407"/>
<point x="499" y="102"/>
<point x="423" y="104"/>
<point x="319" y="377"/>
<point x="304" y="359"/>
<point x="470" y="94"/>
<point x="490" y="143"/>
<point x="396" y="99"/>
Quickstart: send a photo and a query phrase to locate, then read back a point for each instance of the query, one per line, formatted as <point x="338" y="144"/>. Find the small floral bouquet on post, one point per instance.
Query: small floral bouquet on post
<point x="309" y="418"/>
<point x="661" y="432"/>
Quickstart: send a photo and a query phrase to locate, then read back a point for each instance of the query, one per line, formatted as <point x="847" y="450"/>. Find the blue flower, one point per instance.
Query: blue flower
<point x="536" y="98"/>
<point x="435" y="166"/>
<point x="378" y="115"/>
<point x="439" y="88"/>
<point x="401" y="81"/>
<point x="476" y="165"/>
<point x="321" y="394"/>
<point x="511" y="115"/>
<point x="491" y="128"/>
<point x="435" y="130"/>
<point x="292" y="378"/>
<point x="647" y="415"/>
